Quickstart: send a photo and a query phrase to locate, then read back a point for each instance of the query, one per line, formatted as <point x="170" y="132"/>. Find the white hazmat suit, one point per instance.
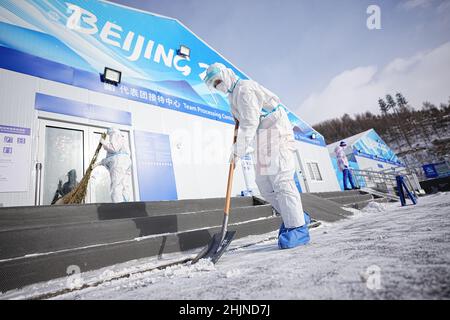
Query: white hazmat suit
<point x="118" y="163"/>
<point x="263" y="122"/>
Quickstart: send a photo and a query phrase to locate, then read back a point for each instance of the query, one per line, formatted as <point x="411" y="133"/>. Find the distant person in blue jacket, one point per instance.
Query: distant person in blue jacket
<point x="344" y="166"/>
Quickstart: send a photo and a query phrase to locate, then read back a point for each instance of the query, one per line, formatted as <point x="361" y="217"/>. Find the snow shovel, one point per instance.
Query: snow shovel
<point x="222" y="240"/>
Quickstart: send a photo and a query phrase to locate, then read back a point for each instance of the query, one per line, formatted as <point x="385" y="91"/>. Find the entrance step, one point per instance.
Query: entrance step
<point x="357" y="199"/>
<point x="19" y="242"/>
<point x="12" y="218"/>
<point x="323" y="209"/>
<point x="20" y="272"/>
<point x="41" y="243"/>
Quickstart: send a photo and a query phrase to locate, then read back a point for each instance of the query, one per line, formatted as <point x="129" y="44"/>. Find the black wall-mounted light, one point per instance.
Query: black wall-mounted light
<point x="111" y="76"/>
<point x="184" y="51"/>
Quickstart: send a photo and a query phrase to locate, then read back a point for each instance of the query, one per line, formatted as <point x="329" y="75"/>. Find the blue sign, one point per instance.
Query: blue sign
<point x="92" y="35"/>
<point x="304" y="132"/>
<point x="373" y="147"/>
<point x="7" y="150"/>
<point x="15" y="130"/>
<point x="436" y="170"/>
<point x="79" y="109"/>
<point x="154" y="167"/>
<point x="430" y="171"/>
<point x="73" y="41"/>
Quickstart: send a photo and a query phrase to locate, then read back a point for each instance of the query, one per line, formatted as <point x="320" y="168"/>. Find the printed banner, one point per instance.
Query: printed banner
<point x="154" y="166"/>
<point x="73" y="41"/>
<point x="373" y="147"/>
<point x="15" y="158"/>
<point x="436" y="170"/>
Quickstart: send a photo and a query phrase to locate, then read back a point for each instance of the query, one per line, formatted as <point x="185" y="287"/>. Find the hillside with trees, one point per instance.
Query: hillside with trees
<point x="418" y="136"/>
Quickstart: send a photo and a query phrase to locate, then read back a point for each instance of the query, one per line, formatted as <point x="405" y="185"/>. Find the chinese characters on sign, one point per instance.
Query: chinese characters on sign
<point x="168" y="102"/>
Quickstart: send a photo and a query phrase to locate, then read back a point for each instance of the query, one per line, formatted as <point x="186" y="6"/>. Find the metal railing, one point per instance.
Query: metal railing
<point x="411" y="176"/>
<point x="386" y="182"/>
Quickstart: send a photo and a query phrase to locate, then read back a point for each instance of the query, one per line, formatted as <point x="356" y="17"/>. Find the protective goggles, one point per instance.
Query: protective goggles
<point x="211" y="78"/>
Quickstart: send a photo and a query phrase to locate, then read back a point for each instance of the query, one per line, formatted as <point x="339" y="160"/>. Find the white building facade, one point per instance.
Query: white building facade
<point x="54" y="106"/>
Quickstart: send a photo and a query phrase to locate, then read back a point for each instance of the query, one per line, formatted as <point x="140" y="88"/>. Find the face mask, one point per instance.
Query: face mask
<point x="222" y="87"/>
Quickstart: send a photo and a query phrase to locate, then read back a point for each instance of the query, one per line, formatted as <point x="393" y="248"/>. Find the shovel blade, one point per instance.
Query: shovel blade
<point x="215" y="248"/>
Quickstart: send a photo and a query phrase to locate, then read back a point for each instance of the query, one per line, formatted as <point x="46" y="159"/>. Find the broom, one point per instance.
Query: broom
<point x="78" y="194"/>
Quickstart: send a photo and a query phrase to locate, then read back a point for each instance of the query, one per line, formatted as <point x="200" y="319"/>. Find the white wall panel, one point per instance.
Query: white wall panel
<point x="146" y="117"/>
<point x="200" y="151"/>
<point x="17" y="92"/>
<point x="200" y="147"/>
<point x="320" y="155"/>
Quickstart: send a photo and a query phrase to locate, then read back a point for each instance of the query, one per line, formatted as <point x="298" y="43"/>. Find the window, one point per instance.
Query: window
<point x="314" y="171"/>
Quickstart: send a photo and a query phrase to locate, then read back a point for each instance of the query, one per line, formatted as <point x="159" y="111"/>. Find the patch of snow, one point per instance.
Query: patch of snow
<point x="232" y="273"/>
<point x="375" y="207"/>
<point x="189" y="270"/>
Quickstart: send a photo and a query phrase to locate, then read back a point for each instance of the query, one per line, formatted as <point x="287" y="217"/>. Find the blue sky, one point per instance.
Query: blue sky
<point x="319" y="56"/>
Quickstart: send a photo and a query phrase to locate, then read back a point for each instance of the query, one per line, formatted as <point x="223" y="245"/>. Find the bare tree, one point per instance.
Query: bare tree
<point x="392" y="106"/>
<point x="401" y="101"/>
<point x="434" y="112"/>
<point x="383" y="106"/>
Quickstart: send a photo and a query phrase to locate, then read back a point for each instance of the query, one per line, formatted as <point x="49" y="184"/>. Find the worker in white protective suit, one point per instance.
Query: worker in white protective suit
<point x="118" y="163"/>
<point x="265" y="132"/>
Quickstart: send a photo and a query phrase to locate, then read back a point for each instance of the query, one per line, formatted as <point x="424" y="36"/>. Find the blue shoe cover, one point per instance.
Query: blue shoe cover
<point x="284" y="229"/>
<point x="307" y="218"/>
<point x="293" y="237"/>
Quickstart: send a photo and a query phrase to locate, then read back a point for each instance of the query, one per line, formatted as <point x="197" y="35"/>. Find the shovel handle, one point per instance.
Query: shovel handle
<point x="230" y="173"/>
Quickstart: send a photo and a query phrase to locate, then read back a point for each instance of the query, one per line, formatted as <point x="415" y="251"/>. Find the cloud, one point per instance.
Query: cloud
<point x="422" y="77"/>
<point x="443" y="7"/>
<point x="412" y="4"/>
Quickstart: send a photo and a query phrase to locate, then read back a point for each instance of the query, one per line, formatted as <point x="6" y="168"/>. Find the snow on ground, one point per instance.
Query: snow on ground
<point x="383" y="252"/>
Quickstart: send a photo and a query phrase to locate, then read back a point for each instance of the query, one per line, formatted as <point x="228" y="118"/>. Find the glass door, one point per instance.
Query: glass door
<point x="99" y="184"/>
<point x="65" y="152"/>
<point x="61" y="152"/>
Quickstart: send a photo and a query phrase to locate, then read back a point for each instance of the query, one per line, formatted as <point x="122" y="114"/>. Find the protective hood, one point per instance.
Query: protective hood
<point x="112" y="130"/>
<point x="115" y="138"/>
<point x="221" y="72"/>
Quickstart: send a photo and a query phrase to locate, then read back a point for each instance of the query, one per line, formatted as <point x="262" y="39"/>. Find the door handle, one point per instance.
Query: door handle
<point x="37" y="190"/>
